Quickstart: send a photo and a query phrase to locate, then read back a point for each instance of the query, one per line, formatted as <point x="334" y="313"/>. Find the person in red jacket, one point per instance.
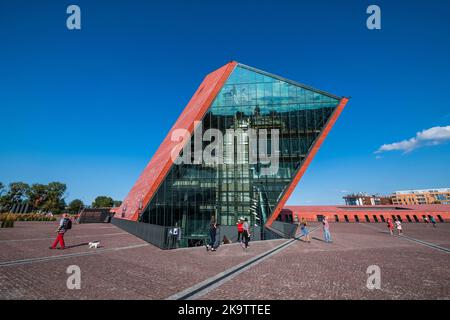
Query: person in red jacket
<point x="390" y="226"/>
<point x="240" y="230"/>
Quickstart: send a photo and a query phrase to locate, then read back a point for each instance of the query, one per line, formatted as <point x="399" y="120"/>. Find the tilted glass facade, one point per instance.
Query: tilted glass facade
<point x="192" y="194"/>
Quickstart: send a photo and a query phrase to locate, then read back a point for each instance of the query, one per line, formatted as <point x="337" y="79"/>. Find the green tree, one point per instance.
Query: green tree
<point x="37" y="194"/>
<point x="103" y="202"/>
<point x="2" y="199"/>
<point x="75" y="206"/>
<point x="16" y="193"/>
<point x="54" y="201"/>
<point x="117" y="203"/>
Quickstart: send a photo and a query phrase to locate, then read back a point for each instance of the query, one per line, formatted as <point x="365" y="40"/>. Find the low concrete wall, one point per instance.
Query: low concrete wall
<point x="154" y="234"/>
<point x="288" y="229"/>
<point x="231" y="233"/>
<point x="161" y="237"/>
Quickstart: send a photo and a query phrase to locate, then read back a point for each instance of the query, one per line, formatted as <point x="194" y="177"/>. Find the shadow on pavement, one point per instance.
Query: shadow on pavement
<point x="78" y="245"/>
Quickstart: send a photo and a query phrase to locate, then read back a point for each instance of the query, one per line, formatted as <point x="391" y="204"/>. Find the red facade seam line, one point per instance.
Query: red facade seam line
<point x="229" y="68"/>
<point x="156" y="170"/>
<point x="307" y="161"/>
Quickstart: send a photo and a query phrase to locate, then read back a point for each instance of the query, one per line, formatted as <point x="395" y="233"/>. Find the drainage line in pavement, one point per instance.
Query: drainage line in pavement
<point x="207" y="285"/>
<point x="67" y="238"/>
<point x="427" y="244"/>
<point x="64" y="256"/>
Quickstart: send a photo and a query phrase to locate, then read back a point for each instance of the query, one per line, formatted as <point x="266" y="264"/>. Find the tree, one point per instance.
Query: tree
<point x="117" y="203"/>
<point x="16" y="193"/>
<point x="2" y="200"/>
<point x="103" y="202"/>
<point x="54" y="201"/>
<point x="37" y="194"/>
<point x="48" y="197"/>
<point x="75" y="206"/>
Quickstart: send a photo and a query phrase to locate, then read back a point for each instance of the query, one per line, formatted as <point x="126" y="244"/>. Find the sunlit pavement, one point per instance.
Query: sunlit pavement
<point x="337" y="270"/>
<point x="125" y="267"/>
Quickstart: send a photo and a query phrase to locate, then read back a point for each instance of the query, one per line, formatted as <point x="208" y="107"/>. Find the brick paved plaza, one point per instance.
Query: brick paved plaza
<point x="125" y="267"/>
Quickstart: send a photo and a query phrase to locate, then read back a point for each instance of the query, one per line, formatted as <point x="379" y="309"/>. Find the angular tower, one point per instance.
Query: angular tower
<point x="254" y="116"/>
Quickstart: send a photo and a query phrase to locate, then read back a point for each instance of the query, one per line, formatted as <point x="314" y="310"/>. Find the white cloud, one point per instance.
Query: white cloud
<point x="428" y="137"/>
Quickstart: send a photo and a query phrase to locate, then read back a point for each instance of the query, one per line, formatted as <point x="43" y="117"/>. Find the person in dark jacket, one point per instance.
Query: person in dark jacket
<point x="60" y="233"/>
<point x="212" y="237"/>
<point x="433" y="221"/>
<point x="246" y="234"/>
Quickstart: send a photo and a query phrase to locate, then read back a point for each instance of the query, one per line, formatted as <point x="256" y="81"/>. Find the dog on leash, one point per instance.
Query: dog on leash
<point x="94" y="244"/>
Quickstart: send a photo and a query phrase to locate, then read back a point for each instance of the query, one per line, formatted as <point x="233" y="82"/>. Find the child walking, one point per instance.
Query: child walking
<point x="398" y="225"/>
<point x="304" y="230"/>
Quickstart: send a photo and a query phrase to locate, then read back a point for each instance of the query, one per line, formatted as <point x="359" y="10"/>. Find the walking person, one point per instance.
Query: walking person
<point x="246" y="234"/>
<point x="390" y="226"/>
<point x="326" y="230"/>
<point x="64" y="224"/>
<point x="304" y="230"/>
<point x="212" y="236"/>
<point x="398" y="225"/>
<point x="240" y="229"/>
<point x="433" y="221"/>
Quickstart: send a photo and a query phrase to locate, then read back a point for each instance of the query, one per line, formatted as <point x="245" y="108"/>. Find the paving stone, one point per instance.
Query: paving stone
<point x="301" y="271"/>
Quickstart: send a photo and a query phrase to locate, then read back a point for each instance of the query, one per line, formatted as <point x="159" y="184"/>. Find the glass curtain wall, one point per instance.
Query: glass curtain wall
<point x="194" y="194"/>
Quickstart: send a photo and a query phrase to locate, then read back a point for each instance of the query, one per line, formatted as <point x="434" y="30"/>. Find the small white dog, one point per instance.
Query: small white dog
<point x="93" y="244"/>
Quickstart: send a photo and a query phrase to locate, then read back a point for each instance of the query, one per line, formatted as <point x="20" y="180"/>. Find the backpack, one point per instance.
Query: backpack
<point x="67" y="224"/>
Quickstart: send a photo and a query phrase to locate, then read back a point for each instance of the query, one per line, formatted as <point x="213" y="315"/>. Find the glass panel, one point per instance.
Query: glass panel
<point x="193" y="194"/>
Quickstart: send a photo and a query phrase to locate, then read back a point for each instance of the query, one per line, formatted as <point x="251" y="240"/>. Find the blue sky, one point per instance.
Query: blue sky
<point x="90" y="107"/>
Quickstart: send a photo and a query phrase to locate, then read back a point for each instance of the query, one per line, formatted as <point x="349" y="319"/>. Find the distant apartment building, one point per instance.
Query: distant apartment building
<point x="425" y="196"/>
<point x="365" y="199"/>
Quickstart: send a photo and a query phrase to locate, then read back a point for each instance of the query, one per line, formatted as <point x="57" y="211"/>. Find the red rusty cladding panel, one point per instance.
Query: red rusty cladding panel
<point x="307" y="161"/>
<point x="158" y="167"/>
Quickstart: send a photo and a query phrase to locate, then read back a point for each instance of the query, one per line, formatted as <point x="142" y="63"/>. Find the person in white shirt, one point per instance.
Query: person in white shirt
<point x="398" y="225"/>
